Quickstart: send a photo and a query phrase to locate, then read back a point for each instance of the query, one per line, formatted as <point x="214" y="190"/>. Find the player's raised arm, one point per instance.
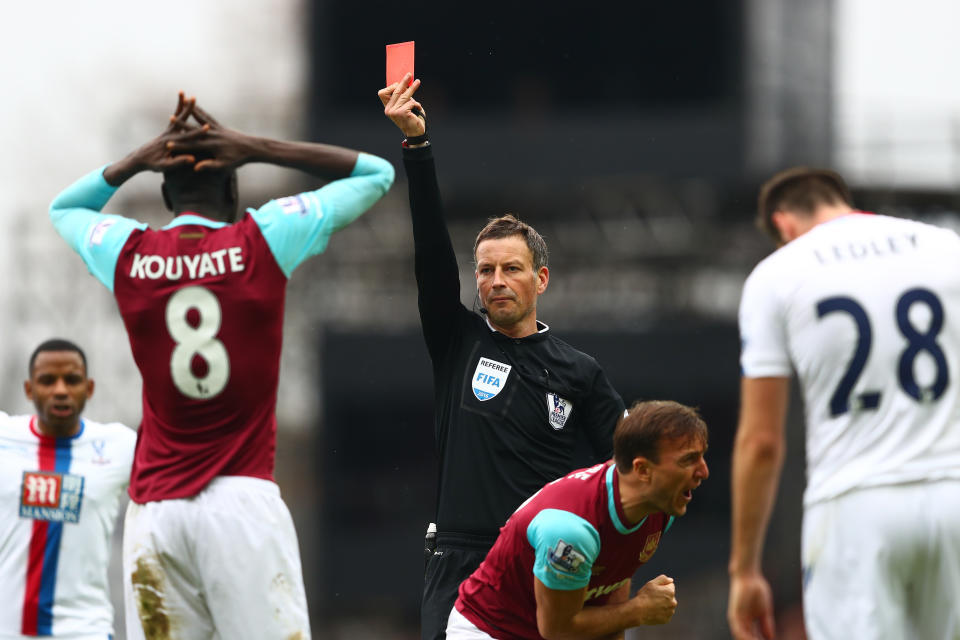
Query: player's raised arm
<point x="360" y="178"/>
<point x="75" y="212"/>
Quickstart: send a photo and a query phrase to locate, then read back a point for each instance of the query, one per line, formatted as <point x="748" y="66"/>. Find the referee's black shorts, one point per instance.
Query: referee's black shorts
<point x="456" y="556"/>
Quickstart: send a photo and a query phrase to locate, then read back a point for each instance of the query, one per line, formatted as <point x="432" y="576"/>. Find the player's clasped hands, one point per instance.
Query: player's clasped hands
<point x="657" y="600"/>
<point x="193" y="138"/>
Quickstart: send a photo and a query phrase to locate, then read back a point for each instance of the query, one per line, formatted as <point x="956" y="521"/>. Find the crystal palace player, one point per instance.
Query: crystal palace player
<point x="209" y="544"/>
<point x="61" y="478"/>
<point x="562" y="565"/>
<point x="865" y="309"/>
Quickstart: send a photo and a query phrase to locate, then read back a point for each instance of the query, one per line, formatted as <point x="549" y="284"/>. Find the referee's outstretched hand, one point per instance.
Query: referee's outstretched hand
<point x="400" y="106"/>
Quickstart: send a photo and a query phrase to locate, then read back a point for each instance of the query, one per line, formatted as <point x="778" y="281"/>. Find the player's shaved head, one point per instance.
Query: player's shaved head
<point x="648" y="425"/>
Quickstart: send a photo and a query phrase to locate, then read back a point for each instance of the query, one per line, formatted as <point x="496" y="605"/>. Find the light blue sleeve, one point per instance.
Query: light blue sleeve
<point x="299" y="227"/>
<point x="97" y="237"/>
<point x="565" y="547"/>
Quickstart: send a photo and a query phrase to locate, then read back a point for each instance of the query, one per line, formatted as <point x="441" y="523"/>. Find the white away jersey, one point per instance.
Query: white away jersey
<point x="58" y="506"/>
<point x="866" y="310"/>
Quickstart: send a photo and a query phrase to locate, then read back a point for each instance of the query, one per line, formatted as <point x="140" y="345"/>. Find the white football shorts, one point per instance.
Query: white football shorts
<point x="459" y="628"/>
<point x="884" y="562"/>
<point x="223" y="564"/>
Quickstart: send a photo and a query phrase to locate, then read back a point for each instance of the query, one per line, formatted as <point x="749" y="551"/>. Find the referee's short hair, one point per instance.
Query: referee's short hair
<point x="509" y="225"/>
<point x="648" y="424"/>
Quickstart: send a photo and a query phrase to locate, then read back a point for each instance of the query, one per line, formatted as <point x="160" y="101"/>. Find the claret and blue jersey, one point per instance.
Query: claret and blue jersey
<point x="572" y="534"/>
<point x="202" y="302"/>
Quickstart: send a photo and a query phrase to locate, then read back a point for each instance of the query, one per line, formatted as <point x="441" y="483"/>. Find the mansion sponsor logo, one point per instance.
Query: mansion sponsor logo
<point x="56" y="497"/>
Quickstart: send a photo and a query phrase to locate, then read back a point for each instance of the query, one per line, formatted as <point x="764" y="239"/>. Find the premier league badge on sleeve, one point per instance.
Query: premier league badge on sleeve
<point x="489" y="378"/>
<point x="293" y="205"/>
<point x="565" y="558"/>
<point x="558" y="410"/>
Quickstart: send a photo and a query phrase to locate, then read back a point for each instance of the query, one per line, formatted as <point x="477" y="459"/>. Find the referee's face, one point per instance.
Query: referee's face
<point x="508" y="284"/>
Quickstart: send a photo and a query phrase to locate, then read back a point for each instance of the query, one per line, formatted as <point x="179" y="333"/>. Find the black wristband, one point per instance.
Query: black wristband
<point x="416" y="139"/>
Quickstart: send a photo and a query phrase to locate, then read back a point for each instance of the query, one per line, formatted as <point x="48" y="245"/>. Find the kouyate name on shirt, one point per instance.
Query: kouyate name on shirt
<point x="189" y="267"/>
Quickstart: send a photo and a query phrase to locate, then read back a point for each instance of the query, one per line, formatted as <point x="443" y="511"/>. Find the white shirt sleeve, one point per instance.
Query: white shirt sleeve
<point x="764" y="351"/>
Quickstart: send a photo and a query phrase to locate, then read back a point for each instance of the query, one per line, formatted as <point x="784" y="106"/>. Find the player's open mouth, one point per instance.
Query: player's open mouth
<point x="61" y="410"/>
<point x="688" y="494"/>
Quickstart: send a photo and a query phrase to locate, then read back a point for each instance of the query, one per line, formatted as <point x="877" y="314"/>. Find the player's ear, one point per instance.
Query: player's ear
<point x="28" y="390"/>
<point x="641" y="467"/>
<point x="786" y="225"/>
<point x="90" y="386"/>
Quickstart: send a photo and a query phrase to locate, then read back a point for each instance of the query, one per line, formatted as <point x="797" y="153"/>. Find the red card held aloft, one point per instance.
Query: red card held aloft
<point x="399" y="61"/>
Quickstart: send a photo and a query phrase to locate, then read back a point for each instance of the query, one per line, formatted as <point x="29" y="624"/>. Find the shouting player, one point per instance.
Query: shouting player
<point x="562" y="565"/>
<point x="865" y="309"/>
<point x="209" y="546"/>
<point x="61" y="478"/>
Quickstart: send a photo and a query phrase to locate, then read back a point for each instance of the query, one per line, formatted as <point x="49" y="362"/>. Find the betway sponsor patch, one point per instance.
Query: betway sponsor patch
<point x="489" y="378"/>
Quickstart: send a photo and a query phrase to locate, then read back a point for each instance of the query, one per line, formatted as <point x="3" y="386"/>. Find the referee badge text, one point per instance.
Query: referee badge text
<point x="558" y="410"/>
<point x="489" y="378"/>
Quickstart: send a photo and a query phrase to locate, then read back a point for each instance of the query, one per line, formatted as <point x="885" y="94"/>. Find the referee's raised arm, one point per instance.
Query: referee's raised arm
<point x="435" y="263"/>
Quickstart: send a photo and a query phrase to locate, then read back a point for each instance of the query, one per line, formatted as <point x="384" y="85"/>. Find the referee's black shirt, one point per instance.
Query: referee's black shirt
<point x="510" y="413"/>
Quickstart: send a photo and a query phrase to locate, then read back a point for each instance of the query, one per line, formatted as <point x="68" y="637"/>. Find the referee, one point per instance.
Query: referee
<point x="512" y="400"/>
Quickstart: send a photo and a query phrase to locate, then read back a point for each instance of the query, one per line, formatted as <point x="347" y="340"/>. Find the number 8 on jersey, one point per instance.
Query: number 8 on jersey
<point x="195" y="339"/>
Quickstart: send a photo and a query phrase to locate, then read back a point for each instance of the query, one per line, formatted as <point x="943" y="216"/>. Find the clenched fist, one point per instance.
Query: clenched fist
<point x="656" y="601"/>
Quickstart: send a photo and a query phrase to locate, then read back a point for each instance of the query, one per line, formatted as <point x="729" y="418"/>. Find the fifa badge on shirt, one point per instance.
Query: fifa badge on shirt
<point x="558" y="410"/>
<point x="56" y="497"/>
<point x="650" y="546"/>
<point x="489" y="378"/>
<point x="565" y="558"/>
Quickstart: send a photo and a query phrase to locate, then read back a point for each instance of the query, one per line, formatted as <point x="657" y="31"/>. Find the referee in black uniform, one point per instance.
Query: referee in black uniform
<point x="513" y="401"/>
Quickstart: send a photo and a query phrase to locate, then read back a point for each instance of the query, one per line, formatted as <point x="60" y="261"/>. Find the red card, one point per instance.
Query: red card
<point x="399" y="61"/>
